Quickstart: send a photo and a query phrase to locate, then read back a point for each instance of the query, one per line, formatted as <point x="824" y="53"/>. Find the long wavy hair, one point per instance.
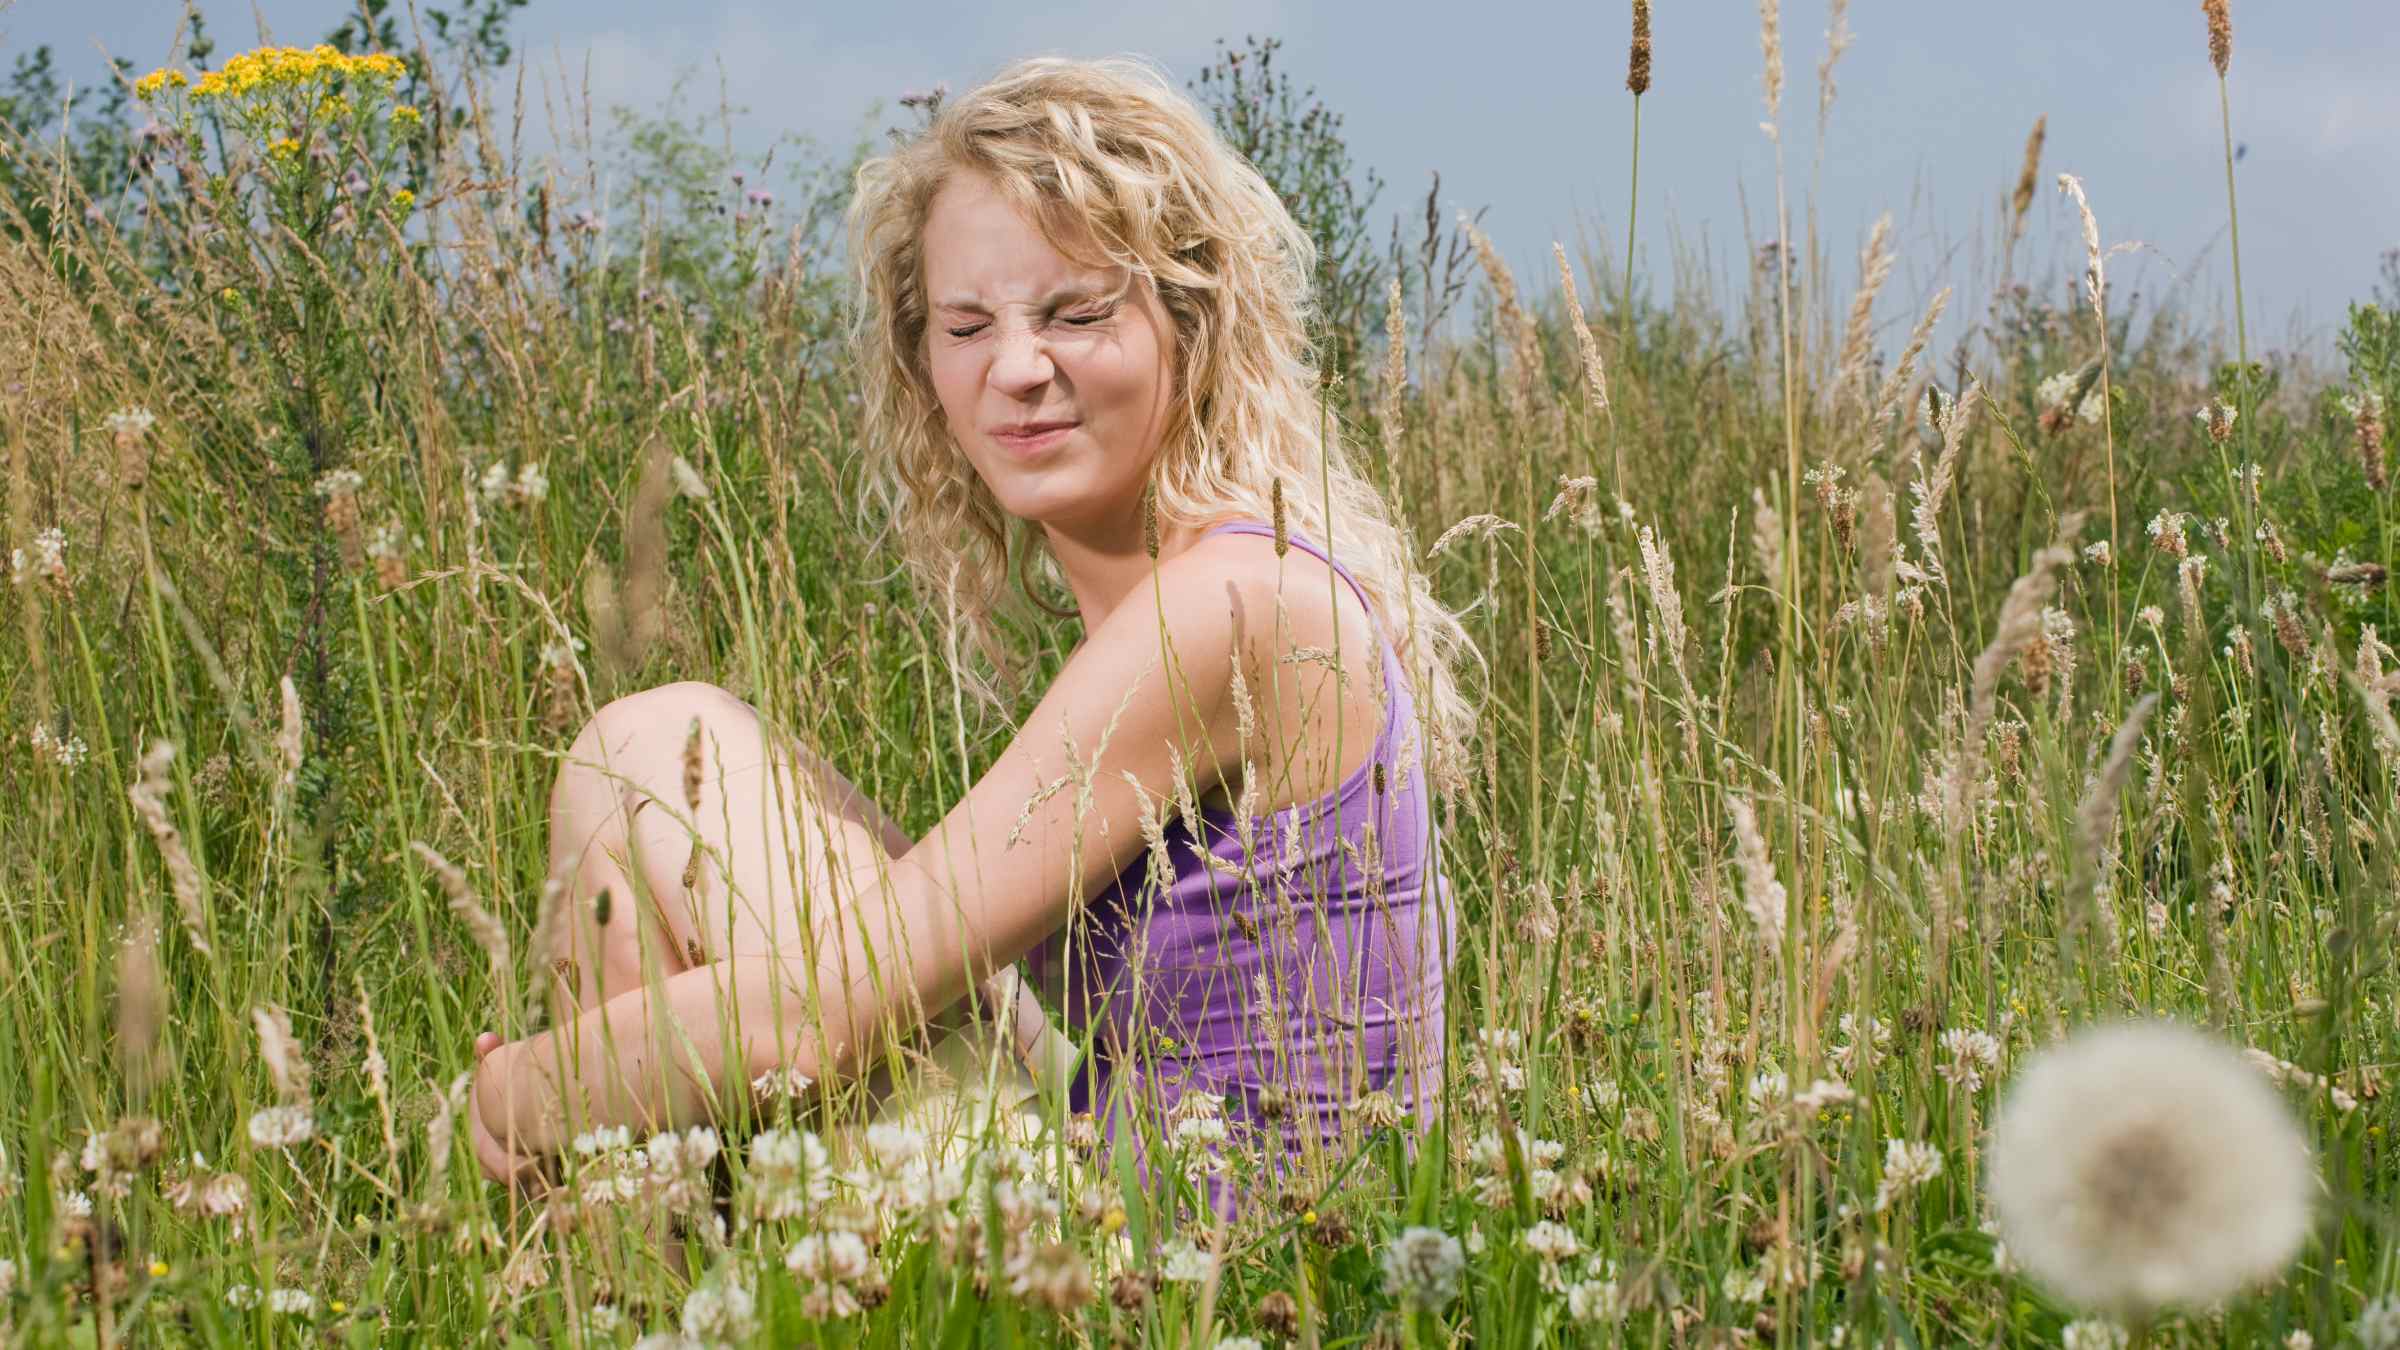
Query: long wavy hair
<point x="1107" y="154"/>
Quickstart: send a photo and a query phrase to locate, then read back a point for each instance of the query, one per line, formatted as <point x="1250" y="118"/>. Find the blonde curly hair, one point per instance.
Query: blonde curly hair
<point x="1107" y="154"/>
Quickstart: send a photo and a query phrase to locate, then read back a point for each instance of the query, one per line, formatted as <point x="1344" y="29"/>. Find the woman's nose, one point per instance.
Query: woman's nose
<point x="1022" y="361"/>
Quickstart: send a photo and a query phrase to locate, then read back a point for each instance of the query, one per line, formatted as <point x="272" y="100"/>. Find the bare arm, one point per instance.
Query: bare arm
<point x="1053" y="820"/>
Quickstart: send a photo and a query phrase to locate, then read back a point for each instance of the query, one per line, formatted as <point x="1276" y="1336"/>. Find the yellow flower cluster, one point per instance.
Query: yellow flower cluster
<point x="147" y="87"/>
<point x="405" y="117"/>
<point x="277" y="68"/>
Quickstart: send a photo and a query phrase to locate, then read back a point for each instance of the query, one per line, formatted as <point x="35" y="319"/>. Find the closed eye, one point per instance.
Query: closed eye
<point x="1080" y="320"/>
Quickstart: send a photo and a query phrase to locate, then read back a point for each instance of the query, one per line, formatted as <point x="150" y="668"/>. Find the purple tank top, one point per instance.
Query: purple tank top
<point x="1298" y="971"/>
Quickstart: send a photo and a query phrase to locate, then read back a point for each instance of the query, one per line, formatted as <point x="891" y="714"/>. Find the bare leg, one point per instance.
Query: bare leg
<point x="768" y="835"/>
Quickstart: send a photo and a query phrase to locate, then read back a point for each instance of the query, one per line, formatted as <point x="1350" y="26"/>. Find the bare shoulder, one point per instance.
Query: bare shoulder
<point x="1292" y="604"/>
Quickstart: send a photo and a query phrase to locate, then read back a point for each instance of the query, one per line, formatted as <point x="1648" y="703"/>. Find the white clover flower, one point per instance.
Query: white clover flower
<point x="340" y="483"/>
<point x="130" y="421"/>
<point x="1744" y="1286"/>
<point x="531" y="486"/>
<point x="606" y="1139"/>
<point x="604" y="1318"/>
<point x="1551" y="1240"/>
<point x="2092" y="1334"/>
<point x="299" y="1302"/>
<point x="829" y="1258"/>
<point x="494" y="483"/>
<point x="2099" y="553"/>
<point x="720" y="1314"/>
<point x="2142" y="1165"/>
<point x="2150" y="616"/>
<point x="1184" y="1263"/>
<point x="1602" y="1095"/>
<point x="1769" y="1088"/>
<point x="1595" y="1301"/>
<point x="1240" y="1343"/>
<point x="242" y="1296"/>
<point x="894" y="1145"/>
<point x="1423" y="1267"/>
<point x="2378" y="1325"/>
<point x="282" y="1126"/>
<point x="1907" y="1164"/>
<point x="785" y="1082"/>
<point x="76" y="1203"/>
<point x="1972" y="1054"/>
<point x="2299" y="1340"/>
<point x="1823" y="1093"/>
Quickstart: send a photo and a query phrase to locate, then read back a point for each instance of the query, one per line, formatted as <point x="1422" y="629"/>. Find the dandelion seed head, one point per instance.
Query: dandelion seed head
<point x="2144" y="1165"/>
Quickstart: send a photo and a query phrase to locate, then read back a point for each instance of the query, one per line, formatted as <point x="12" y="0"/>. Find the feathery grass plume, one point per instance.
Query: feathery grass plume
<point x="487" y="931"/>
<point x="1763" y="895"/>
<point x="1281" y="521"/>
<point x="2220" y="34"/>
<point x="141" y="1007"/>
<point x="441" y="1126"/>
<point x="1524" y="340"/>
<point x="1858" y="335"/>
<point x="379" y="1075"/>
<point x="2020" y="623"/>
<point x="2096" y="818"/>
<point x="627" y="607"/>
<point x="2095" y="276"/>
<point x="1595" y="378"/>
<point x="288" y="736"/>
<point x="2022" y="199"/>
<point x="1637" y="64"/>
<point x="1837" y="41"/>
<point x="1770" y="41"/>
<point x="2145" y="1165"/>
<point x="1931" y="489"/>
<point x="692" y="767"/>
<point x="149" y="796"/>
<point x="1391" y="384"/>
<point x="286" y="1066"/>
<point x="1150" y="521"/>
<point x="1894" y="390"/>
<point x="2366" y="425"/>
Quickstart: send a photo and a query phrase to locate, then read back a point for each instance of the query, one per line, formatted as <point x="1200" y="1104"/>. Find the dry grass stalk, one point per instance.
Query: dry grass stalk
<point x="2095" y="277"/>
<point x="1932" y="489"/>
<point x="149" y="796"/>
<point x="141" y="1007"/>
<point x="1392" y="380"/>
<point x="1637" y="65"/>
<point x="1763" y="894"/>
<point x="2220" y="34"/>
<point x="2022" y="200"/>
<point x="285" y="1064"/>
<point x="379" y="1078"/>
<point x="487" y="931"/>
<point x="1894" y="390"/>
<point x="1595" y="377"/>
<point x="1874" y="268"/>
<point x="2096" y="818"/>
<point x="1525" y="341"/>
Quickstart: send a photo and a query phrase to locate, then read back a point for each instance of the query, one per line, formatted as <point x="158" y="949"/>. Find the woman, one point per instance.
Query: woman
<point x="1074" y="296"/>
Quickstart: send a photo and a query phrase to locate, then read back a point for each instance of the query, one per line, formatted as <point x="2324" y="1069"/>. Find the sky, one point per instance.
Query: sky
<point x="1523" y="110"/>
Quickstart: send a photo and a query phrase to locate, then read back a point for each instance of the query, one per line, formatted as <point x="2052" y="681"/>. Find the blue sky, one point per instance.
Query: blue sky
<point x="1523" y="107"/>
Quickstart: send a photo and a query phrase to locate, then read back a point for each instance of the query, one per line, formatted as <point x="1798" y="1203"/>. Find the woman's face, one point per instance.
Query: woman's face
<point x="1019" y="334"/>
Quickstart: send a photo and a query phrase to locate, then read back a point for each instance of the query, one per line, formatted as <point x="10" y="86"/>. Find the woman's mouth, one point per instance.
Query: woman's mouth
<point x="1031" y="442"/>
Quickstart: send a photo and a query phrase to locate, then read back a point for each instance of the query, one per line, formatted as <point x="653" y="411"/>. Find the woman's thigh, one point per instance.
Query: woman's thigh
<point x="760" y="856"/>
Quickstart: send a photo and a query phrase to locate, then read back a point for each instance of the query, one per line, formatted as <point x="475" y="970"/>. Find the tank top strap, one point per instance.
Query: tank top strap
<point x="1301" y="541"/>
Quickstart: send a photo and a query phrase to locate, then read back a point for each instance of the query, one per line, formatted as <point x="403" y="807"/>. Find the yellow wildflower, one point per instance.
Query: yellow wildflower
<point x="283" y="147"/>
<point x="158" y="1270"/>
<point x="334" y="109"/>
<point x="403" y="200"/>
<point x="147" y="87"/>
<point x="406" y="117"/>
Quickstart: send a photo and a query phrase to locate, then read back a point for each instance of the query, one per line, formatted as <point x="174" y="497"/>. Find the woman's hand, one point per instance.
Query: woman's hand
<point x="488" y="1107"/>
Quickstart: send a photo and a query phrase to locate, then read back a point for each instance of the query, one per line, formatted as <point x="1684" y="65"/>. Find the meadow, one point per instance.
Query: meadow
<point x="1863" y="716"/>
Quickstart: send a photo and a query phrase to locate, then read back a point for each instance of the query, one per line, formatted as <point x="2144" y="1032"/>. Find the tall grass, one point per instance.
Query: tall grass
<point x="1814" y="800"/>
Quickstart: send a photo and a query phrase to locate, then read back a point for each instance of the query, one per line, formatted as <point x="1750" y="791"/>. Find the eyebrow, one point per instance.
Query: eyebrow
<point x="974" y="303"/>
